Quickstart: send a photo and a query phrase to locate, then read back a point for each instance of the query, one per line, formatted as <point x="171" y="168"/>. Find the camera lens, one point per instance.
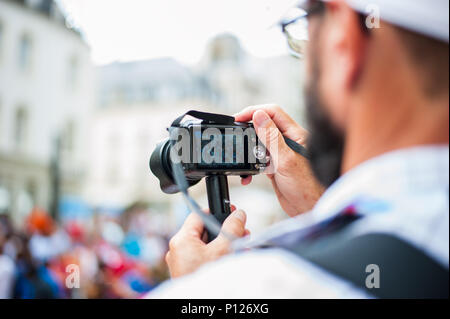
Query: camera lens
<point x="161" y="167"/>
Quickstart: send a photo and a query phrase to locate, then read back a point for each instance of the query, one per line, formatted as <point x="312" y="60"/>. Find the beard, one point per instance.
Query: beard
<point x="325" y="141"/>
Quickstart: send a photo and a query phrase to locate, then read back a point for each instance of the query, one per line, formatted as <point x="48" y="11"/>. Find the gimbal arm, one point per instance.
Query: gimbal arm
<point x="218" y="198"/>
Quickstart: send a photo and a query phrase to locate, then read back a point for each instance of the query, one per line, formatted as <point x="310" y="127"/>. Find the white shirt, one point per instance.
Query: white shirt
<point x="7" y="269"/>
<point x="47" y="247"/>
<point x="404" y="192"/>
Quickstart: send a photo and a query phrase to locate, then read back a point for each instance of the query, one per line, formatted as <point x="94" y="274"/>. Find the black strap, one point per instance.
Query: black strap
<point x="207" y="117"/>
<point x="405" y="271"/>
<point x="297" y="148"/>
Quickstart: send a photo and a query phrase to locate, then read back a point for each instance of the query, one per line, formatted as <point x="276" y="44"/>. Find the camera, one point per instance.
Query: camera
<point x="214" y="146"/>
<point x="208" y="149"/>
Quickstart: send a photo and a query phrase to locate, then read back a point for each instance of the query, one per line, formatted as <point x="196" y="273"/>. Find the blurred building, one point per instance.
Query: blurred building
<point x="241" y="80"/>
<point x="46" y="94"/>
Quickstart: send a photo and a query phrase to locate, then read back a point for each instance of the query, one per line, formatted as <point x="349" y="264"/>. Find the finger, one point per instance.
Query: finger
<point x="193" y="226"/>
<point x="205" y="236"/>
<point x="247" y="113"/>
<point x="247" y="232"/>
<point x="233" y="225"/>
<point x="247" y="180"/>
<point x="271" y="137"/>
<point x="283" y="121"/>
<point x="167" y="258"/>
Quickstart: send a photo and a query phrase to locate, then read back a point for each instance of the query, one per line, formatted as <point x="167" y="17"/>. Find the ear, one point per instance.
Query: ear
<point x="347" y="42"/>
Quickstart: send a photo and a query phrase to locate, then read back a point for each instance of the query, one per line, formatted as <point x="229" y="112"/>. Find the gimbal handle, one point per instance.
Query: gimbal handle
<point x="218" y="198"/>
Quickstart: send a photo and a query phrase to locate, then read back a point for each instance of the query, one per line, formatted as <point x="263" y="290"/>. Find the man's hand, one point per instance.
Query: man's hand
<point x="293" y="181"/>
<point x="187" y="250"/>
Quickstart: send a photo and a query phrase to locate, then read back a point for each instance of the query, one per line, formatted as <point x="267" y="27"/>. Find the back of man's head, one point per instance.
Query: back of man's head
<point x="375" y="88"/>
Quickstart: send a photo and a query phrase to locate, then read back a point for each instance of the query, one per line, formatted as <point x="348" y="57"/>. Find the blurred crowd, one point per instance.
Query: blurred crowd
<point x="116" y="256"/>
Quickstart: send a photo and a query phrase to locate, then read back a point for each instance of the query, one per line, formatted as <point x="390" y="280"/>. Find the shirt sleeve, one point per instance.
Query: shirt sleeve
<point x="270" y="273"/>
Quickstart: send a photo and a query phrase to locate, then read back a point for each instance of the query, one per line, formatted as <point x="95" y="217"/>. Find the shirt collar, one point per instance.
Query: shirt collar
<point x="387" y="177"/>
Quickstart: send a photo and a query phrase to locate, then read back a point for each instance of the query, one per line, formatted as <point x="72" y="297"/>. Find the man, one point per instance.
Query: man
<point x="378" y="109"/>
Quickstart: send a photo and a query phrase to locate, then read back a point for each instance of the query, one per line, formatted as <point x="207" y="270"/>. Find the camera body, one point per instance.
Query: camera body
<point x="206" y="149"/>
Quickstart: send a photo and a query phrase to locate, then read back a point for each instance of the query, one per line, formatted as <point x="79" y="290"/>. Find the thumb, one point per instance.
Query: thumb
<point x="192" y="226"/>
<point x="233" y="225"/>
<point x="270" y="135"/>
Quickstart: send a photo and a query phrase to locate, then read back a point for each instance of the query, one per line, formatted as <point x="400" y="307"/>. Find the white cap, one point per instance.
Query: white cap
<point x="428" y="17"/>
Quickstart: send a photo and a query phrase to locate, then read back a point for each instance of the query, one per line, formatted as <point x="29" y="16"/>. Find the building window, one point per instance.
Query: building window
<point x="5" y="199"/>
<point x="1" y="120"/>
<point x="20" y="127"/>
<point x="69" y="136"/>
<point x="1" y="39"/>
<point x="112" y="169"/>
<point x="32" y="191"/>
<point x="72" y="74"/>
<point x="25" y="48"/>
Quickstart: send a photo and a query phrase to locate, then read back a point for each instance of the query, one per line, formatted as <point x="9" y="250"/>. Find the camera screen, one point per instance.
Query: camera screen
<point x="226" y="150"/>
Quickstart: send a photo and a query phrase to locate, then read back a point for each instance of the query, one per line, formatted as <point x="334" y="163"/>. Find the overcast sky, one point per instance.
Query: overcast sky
<point x="125" y="30"/>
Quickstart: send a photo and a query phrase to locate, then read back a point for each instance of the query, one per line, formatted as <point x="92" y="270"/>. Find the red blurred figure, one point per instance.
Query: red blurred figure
<point x="39" y="221"/>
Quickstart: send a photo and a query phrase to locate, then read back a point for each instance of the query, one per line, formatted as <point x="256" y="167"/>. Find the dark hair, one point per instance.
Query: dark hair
<point x="430" y="57"/>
